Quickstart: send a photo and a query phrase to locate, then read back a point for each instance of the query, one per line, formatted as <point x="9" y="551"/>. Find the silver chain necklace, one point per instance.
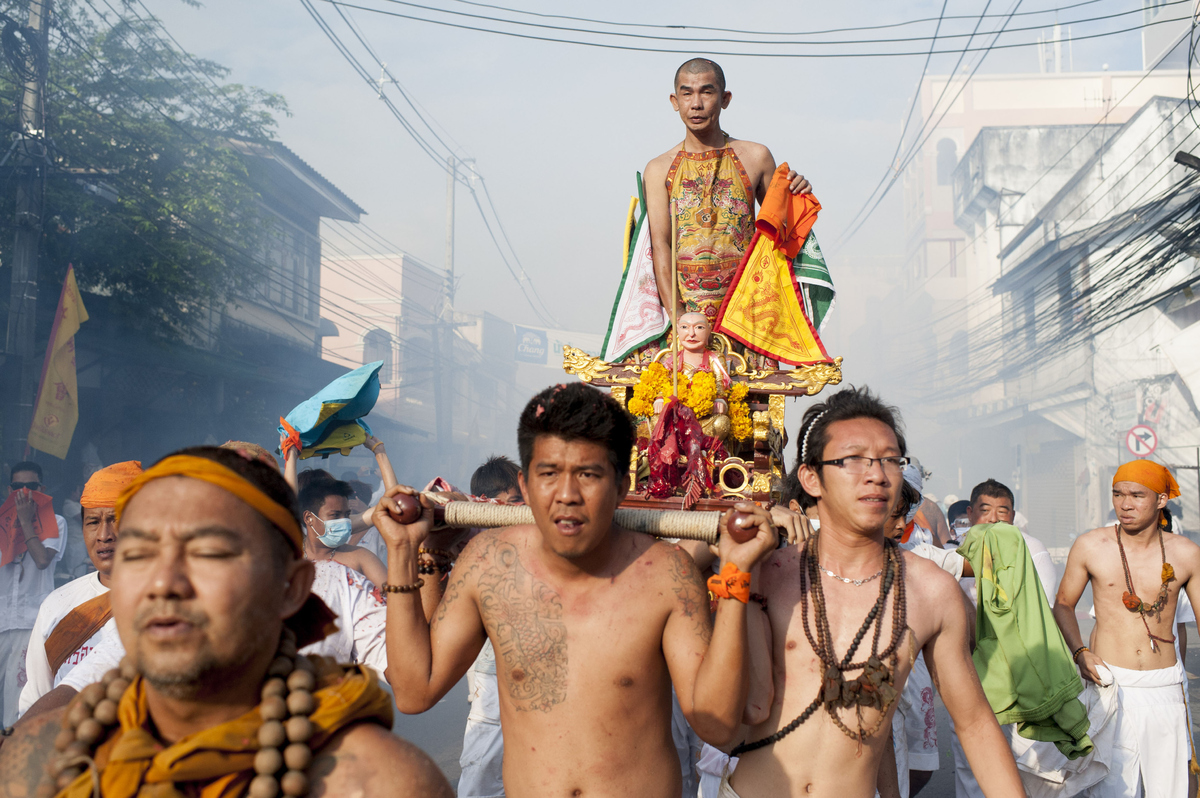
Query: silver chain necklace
<point x="855" y="582"/>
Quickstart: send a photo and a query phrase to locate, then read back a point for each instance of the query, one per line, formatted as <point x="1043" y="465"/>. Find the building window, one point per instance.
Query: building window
<point x="947" y="159"/>
<point x="377" y="345"/>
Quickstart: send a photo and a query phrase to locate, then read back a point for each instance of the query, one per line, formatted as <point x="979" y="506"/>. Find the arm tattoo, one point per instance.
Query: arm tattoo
<point x="525" y="620"/>
<point x="691" y="593"/>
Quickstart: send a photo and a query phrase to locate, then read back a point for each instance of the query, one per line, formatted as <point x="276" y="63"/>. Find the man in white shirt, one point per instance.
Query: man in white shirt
<point x="24" y="582"/>
<point x="70" y="620"/>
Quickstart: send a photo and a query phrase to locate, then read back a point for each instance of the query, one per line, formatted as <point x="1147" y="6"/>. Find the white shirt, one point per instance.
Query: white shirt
<point x="361" y="614"/>
<point x="56" y="607"/>
<point x="23" y="586"/>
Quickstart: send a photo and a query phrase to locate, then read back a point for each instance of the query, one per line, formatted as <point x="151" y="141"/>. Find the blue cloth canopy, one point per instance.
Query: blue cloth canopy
<point x="339" y="404"/>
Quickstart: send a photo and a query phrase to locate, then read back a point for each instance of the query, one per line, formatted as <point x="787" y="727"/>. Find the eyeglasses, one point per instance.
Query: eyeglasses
<point x="26" y="485"/>
<point x="858" y="465"/>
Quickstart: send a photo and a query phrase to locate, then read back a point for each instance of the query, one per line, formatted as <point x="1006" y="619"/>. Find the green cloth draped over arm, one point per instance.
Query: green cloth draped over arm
<point x="1022" y="659"/>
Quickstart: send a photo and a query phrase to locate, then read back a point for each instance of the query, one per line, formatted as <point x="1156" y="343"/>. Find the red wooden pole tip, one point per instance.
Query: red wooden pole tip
<point x="410" y="508"/>
<point x="742" y="526"/>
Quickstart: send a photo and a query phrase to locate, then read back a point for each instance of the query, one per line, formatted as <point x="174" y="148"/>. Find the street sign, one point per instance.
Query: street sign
<point x="1141" y="441"/>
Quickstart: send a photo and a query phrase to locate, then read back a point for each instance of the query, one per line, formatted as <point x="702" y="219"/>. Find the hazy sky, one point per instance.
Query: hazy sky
<point x="559" y="130"/>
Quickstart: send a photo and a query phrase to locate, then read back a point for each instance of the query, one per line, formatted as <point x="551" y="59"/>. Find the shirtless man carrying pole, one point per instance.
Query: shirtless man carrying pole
<point x="592" y="624"/>
<point x="1136" y="573"/>
<point x="848" y="598"/>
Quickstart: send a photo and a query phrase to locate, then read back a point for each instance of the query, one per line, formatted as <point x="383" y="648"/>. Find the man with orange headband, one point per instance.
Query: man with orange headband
<point x="70" y="620"/>
<point x="1136" y="572"/>
<point x="211" y="597"/>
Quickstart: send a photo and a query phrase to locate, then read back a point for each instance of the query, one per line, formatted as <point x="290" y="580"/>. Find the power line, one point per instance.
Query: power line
<point x="709" y="39"/>
<point x="769" y="32"/>
<point x="525" y="285"/>
<point x="723" y="53"/>
<point x="916" y="147"/>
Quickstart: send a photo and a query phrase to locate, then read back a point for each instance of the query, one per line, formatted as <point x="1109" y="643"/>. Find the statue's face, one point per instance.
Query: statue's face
<point x="694" y="332"/>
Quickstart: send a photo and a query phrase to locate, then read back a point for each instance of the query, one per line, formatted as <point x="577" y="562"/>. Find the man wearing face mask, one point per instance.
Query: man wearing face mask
<point x="325" y="504"/>
<point x="70" y="621"/>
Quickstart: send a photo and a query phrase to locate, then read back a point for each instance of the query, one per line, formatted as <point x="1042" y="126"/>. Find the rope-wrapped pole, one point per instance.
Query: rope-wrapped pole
<point x="686" y="524"/>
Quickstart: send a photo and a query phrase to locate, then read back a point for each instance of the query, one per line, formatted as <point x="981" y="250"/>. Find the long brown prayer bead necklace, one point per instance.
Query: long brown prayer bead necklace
<point x="287" y="701"/>
<point x="1130" y="597"/>
<point x="875" y="686"/>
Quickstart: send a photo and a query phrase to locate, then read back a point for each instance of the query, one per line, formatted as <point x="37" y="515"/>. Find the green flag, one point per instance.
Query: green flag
<point x="816" y="284"/>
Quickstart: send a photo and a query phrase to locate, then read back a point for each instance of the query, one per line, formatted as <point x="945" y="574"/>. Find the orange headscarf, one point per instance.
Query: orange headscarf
<point x="219" y="762"/>
<point x="1150" y="474"/>
<point x="315" y="621"/>
<point x="105" y="486"/>
<point x="212" y="472"/>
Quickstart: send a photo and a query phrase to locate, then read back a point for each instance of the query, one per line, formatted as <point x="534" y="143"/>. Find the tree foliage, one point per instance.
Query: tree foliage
<point x="143" y="194"/>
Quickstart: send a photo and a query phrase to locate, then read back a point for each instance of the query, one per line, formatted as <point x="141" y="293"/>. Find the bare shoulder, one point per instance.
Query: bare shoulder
<point x="751" y="152"/>
<point x="1181" y="550"/>
<point x="670" y="561"/>
<point x="1088" y="541"/>
<point x="24" y="755"/>
<point x="929" y="584"/>
<point x="654" y="176"/>
<point x="368" y="760"/>
<point x="781" y="569"/>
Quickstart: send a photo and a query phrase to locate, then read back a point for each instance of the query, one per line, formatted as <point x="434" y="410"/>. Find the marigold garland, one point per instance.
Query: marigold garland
<point x="698" y="393"/>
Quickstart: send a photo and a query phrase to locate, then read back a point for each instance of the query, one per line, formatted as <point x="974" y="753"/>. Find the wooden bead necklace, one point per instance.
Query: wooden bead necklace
<point x="875" y="686"/>
<point x="287" y="702"/>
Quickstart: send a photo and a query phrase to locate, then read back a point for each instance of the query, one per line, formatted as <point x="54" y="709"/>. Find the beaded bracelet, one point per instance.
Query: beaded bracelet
<point x="1075" y="654"/>
<point x="417" y="585"/>
<point x="427" y="567"/>
<point x="436" y="553"/>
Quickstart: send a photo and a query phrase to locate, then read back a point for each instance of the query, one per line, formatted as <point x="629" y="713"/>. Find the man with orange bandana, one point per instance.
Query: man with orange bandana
<point x="1136" y="573"/>
<point x="71" y="618"/>
<point x="714" y="180"/>
<point x="211" y="597"/>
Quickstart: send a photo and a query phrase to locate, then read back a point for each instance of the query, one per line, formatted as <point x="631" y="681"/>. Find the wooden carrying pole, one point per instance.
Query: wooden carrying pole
<point x="687" y="524"/>
<point x="675" y="298"/>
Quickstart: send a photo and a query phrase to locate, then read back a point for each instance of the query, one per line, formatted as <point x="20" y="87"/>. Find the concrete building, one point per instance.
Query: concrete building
<point x="1023" y="210"/>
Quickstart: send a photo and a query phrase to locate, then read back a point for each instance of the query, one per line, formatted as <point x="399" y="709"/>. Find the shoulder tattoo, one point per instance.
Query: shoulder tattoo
<point x="23" y="759"/>
<point x="525" y="620"/>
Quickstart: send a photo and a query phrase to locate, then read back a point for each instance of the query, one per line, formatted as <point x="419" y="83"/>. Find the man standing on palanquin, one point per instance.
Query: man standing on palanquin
<point x="715" y="181"/>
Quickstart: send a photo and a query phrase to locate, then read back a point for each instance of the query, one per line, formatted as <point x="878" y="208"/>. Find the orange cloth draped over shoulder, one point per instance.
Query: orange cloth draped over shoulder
<point x="104" y="487"/>
<point x="314" y="621"/>
<point x="1150" y="474"/>
<point x="219" y="762"/>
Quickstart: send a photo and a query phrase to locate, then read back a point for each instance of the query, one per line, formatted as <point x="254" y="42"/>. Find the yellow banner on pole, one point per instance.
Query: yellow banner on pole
<point x="57" y="409"/>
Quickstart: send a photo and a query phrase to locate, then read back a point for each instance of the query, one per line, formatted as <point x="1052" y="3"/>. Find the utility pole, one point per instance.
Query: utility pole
<point x="443" y="338"/>
<point x="30" y="164"/>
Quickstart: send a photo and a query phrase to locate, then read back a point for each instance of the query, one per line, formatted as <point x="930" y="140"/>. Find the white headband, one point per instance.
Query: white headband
<point x="804" y="440"/>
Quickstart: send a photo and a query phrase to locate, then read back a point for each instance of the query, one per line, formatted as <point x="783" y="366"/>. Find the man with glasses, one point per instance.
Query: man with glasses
<point x="843" y="617"/>
<point x="26" y="578"/>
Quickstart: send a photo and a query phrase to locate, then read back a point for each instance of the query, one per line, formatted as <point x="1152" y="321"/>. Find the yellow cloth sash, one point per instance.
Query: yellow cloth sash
<point x="219" y="762"/>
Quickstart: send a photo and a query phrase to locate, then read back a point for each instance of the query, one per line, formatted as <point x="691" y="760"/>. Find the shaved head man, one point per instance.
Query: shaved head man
<point x="211" y="598"/>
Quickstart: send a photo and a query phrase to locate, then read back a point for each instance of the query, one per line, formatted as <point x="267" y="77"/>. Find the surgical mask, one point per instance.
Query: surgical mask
<point x="337" y="532"/>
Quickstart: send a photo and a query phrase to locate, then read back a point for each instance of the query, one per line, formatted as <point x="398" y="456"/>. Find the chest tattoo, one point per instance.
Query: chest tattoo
<point x="525" y="619"/>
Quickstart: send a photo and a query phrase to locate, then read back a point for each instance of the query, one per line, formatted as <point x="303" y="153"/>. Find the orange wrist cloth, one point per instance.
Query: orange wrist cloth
<point x="731" y="583"/>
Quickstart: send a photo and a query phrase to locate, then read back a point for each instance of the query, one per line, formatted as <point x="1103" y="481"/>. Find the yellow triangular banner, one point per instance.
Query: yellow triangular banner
<point x="57" y="410"/>
<point x="763" y="309"/>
